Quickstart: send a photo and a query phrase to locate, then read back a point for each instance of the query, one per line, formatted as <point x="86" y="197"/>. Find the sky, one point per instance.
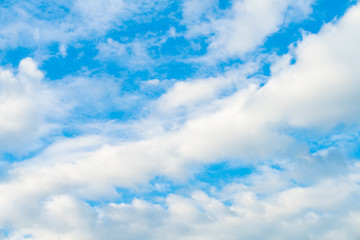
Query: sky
<point x="179" y="119"/>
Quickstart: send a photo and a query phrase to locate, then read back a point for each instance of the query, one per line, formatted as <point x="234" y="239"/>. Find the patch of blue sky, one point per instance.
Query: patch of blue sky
<point x="220" y="174"/>
<point x="225" y="4"/>
<point x="174" y="70"/>
<point x="10" y="157"/>
<point x="7" y="158"/>
<point x="78" y="58"/>
<point x="133" y="29"/>
<point x="4" y="233"/>
<point x="179" y="47"/>
<point x="327" y="10"/>
<point x="70" y="132"/>
<point x="354" y="152"/>
<point x="12" y="57"/>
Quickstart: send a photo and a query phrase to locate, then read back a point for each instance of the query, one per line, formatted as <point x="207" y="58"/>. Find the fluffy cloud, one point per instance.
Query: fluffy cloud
<point x="326" y="210"/>
<point x="246" y="125"/>
<point x="229" y="120"/>
<point x="321" y="88"/>
<point x="26" y="102"/>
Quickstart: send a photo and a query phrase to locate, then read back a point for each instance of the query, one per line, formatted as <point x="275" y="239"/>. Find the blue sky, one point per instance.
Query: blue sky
<point x="179" y="119"/>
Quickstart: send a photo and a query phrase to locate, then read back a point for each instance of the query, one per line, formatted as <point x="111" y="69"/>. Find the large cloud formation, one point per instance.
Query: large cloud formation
<point x="71" y="189"/>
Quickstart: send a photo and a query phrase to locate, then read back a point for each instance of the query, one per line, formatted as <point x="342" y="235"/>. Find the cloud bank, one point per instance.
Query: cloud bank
<point x="100" y="154"/>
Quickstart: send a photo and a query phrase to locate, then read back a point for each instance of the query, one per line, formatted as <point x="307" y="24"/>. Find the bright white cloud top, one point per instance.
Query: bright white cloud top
<point x="177" y="119"/>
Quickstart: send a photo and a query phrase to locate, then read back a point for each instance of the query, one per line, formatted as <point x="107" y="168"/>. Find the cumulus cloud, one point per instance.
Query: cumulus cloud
<point x="325" y="73"/>
<point x="326" y="210"/>
<point x="247" y="124"/>
<point x="228" y="121"/>
<point x="26" y="104"/>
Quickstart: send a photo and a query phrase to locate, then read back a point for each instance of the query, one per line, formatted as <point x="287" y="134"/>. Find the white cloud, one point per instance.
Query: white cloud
<point x="321" y="88"/>
<point x="246" y="125"/>
<point x="132" y="55"/>
<point x="62" y="50"/>
<point x="26" y="102"/>
<point x="242" y="28"/>
<point x="188" y="93"/>
<point x="326" y="210"/>
<point x="34" y="23"/>
<point x="319" y="91"/>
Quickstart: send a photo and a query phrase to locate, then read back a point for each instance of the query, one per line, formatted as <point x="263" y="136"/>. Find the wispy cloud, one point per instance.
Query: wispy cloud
<point x="242" y="28"/>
